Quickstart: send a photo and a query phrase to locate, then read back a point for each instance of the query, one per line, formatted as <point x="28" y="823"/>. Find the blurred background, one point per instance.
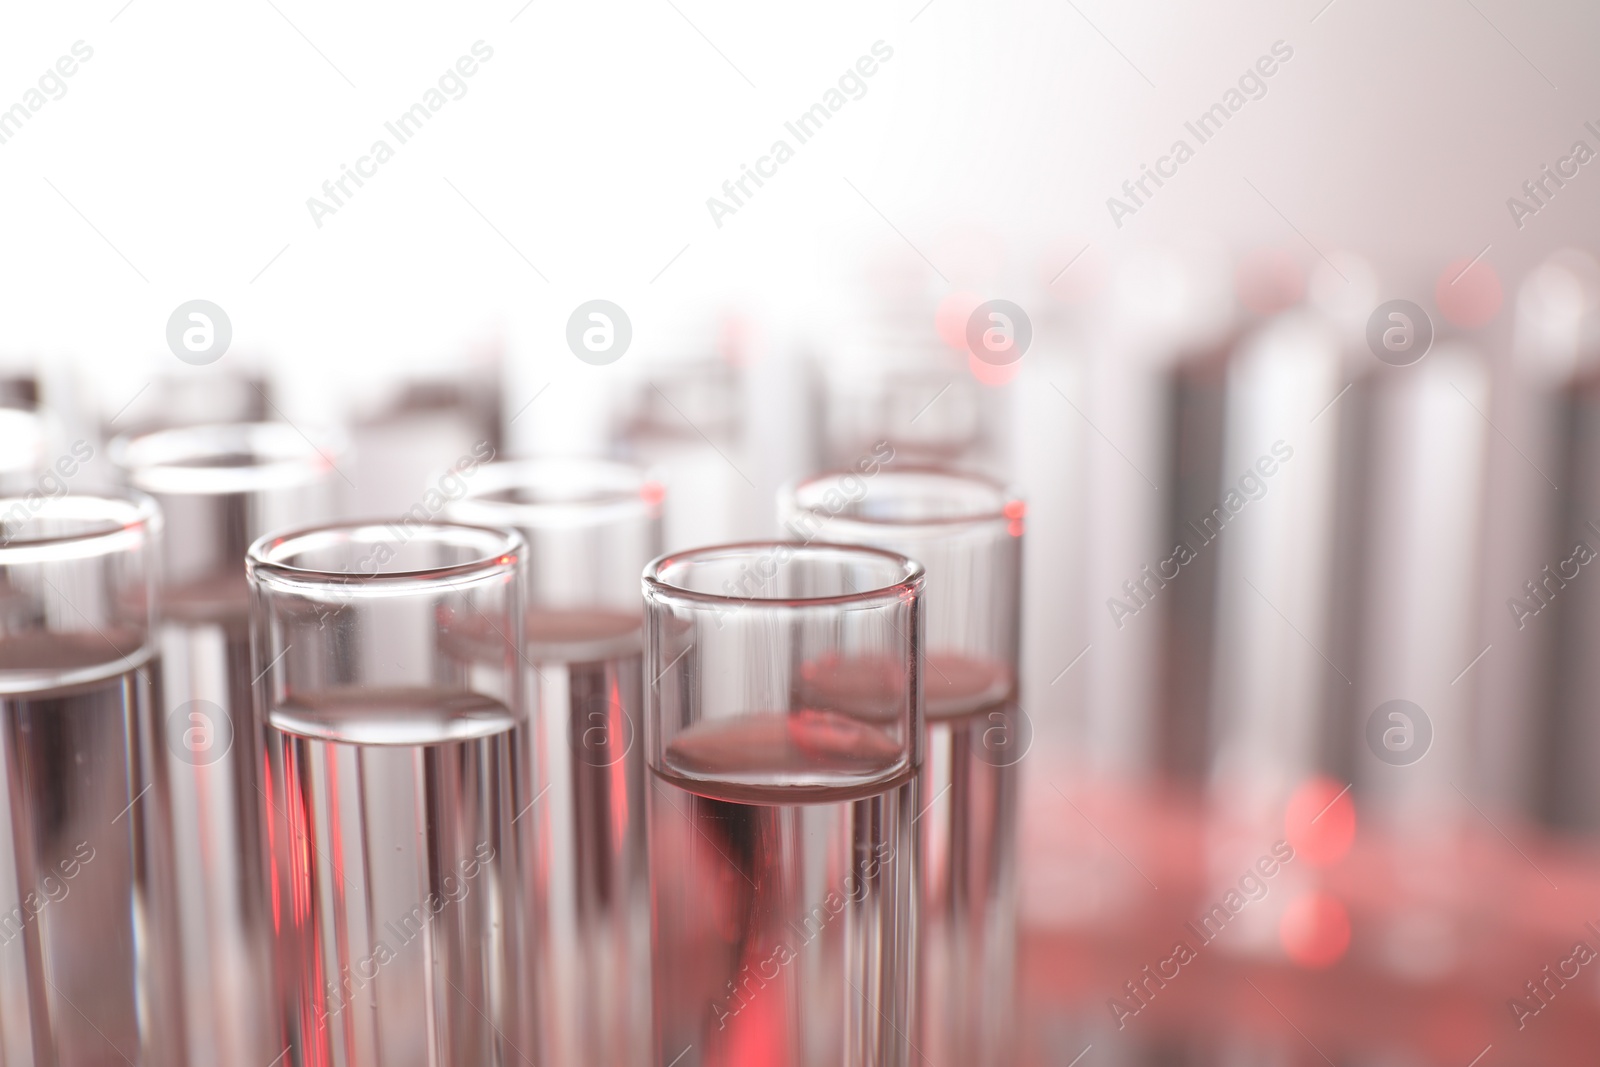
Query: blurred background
<point x="1299" y="384"/>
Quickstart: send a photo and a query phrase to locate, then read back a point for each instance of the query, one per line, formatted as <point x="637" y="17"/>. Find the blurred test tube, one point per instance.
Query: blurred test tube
<point x="400" y="451"/>
<point x="1276" y="686"/>
<point x="221" y="487"/>
<point x="1049" y="440"/>
<point x="1421" y="580"/>
<point x="591" y="527"/>
<point x="687" y="421"/>
<point x="967" y="533"/>
<point x="201" y="396"/>
<point x="1165" y="307"/>
<point x="1548" y="610"/>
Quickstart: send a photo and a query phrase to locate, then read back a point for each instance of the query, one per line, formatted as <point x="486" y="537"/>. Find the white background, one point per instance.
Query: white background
<point x="592" y="139"/>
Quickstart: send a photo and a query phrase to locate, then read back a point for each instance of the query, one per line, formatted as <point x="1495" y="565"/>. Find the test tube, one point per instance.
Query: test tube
<point x="967" y="531"/>
<point x="1270" y="510"/>
<point x="690" y="426"/>
<point x="391" y="694"/>
<point x="1539" y="765"/>
<point x="905" y="387"/>
<point x="783" y="798"/>
<point x="220" y="487"/>
<point x="89" y="968"/>
<point x="424" y="435"/>
<point x="192" y="397"/>
<point x="591" y="526"/>
<point x="1419" y="634"/>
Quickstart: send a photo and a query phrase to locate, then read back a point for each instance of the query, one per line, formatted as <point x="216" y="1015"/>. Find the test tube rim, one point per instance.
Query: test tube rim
<point x="282" y="457"/>
<point x="130" y="516"/>
<point x="908" y="586"/>
<point x="603" y="507"/>
<point x="263" y="568"/>
<point x="1008" y="498"/>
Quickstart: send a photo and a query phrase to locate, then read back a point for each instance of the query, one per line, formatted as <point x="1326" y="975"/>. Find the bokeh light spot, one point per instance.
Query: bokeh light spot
<point x="1320" y="821"/>
<point x="950" y="318"/>
<point x="1268" y="280"/>
<point x="1468" y="294"/>
<point x="988" y="373"/>
<point x="1315" y="930"/>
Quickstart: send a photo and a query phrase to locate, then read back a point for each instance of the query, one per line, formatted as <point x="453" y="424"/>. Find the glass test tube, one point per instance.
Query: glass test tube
<point x="783" y="852"/>
<point x="905" y="389"/>
<point x="390" y="690"/>
<point x="967" y="532"/>
<point x="220" y="487"/>
<point x="591" y="526"/>
<point x="89" y="967"/>
<point x="690" y="428"/>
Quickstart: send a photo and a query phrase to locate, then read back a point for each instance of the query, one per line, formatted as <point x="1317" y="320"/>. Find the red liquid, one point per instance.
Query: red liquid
<point x="581" y="634"/>
<point x="783" y="912"/>
<point x="954" y="684"/>
<point x="798" y="749"/>
<point x="873" y="687"/>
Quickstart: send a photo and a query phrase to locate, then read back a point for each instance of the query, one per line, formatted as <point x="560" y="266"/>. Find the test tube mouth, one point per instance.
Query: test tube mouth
<point x="784" y="574"/>
<point x="36" y="528"/>
<point x="225" y="458"/>
<point x="547" y="493"/>
<point x="906" y="498"/>
<point x="399" y="556"/>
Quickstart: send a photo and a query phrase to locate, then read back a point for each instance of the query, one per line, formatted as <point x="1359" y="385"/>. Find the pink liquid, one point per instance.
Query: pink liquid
<point x="798" y="755"/>
<point x="873" y="687"/>
<point x="956" y="685"/>
<point x="784" y="907"/>
<point x="577" y="635"/>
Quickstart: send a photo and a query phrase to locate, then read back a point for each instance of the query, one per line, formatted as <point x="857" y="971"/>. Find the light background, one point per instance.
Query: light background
<point x="179" y="162"/>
